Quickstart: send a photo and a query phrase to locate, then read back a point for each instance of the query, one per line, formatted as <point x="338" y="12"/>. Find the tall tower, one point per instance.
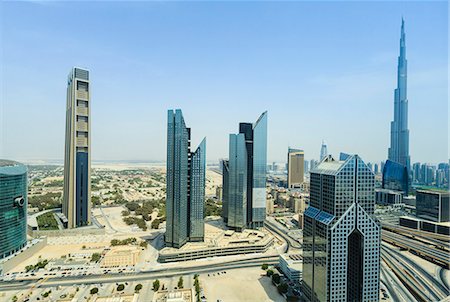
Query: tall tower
<point x="323" y="150"/>
<point x="237" y="182"/>
<point x="77" y="157"/>
<point x="399" y="149"/>
<point x="256" y="145"/>
<point x="225" y="190"/>
<point x="296" y="167"/>
<point x="341" y="236"/>
<point x="185" y="192"/>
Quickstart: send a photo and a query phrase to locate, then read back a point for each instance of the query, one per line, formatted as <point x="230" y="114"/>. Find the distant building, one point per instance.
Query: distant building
<point x="295" y="167"/>
<point x="389" y="197"/>
<point x="375" y="169"/>
<point x="399" y="147"/>
<point x="395" y="177"/>
<point x="13" y="207"/>
<point x="249" y="147"/>
<point x="433" y="205"/>
<point x="219" y="193"/>
<point x="76" y="204"/>
<point x="341" y="236"/>
<point x="269" y="205"/>
<point x="225" y="189"/>
<point x="185" y="193"/>
<point x="323" y="151"/>
<point x="291" y="265"/>
<point x="306" y="163"/>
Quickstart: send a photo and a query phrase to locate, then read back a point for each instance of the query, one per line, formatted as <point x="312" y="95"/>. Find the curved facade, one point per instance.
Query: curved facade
<point x="13" y="207"/>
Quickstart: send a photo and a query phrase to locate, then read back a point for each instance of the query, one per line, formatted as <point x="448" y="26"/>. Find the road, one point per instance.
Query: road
<point x="291" y="243"/>
<point x="422" y="285"/>
<point x="423" y="250"/>
<point x="144" y="275"/>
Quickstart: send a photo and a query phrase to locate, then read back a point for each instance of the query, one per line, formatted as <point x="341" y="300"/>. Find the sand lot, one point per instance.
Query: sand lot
<point x="244" y="284"/>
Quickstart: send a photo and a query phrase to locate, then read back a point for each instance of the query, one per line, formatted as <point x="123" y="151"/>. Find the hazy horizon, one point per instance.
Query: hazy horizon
<point x="323" y="70"/>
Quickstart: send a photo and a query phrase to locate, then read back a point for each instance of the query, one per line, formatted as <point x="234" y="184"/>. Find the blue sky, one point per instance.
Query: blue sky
<point x="323" y="70"/>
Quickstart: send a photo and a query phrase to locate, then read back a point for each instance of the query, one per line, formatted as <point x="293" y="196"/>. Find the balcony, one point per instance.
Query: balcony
<point x="81" y="94"/>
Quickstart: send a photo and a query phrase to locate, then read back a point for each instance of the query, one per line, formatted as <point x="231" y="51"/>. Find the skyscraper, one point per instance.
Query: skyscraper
<point x="197" y="193"/>
<point x="185" y="192"/>
<point x="256" y="144"/>
<point x="295" y="167"/>
<point x="399" y="148"/>
<point x="77" y="160"/>
<point x="341" y="241"/>
<point x="323" y="151"/>
<point x="254" y="137"/>
<point x="237" y="182"/>
<point x="13" y="207"/>
<point x="225" y="189"/>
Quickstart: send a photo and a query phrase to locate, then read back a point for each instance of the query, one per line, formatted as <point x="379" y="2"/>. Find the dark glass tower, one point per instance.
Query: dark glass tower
<point x="185" y="192"/>
<point x="399" y="148"/>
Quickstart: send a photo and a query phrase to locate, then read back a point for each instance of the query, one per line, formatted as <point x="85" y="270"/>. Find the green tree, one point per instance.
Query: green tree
<point x="283" y="288"/>
<point x="155" y="223"/>
<point x="14" y="299"/>
<point x="138" y="287"/>
<point x="180" y="282"/>
<point x="269" y="272"/>
<point x="276" y="278"/>
<point x="143" y="244"/>
<point x="156" y="285"/>
<point x="94" y="291"/>
<point x="95" y="257"/>
<point x="120" y="287"/>
<point x="264" y="266"/>
<point x="125" y="213"/>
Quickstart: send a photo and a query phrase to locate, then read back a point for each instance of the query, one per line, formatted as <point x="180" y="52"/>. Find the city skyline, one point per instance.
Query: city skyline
<point x="255" y="79"/>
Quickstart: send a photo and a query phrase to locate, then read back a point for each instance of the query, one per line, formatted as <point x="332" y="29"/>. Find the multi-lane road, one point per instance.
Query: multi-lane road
<point x="143" y="275"/>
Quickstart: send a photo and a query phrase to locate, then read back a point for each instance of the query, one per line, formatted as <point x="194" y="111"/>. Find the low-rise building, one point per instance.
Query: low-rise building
<point x="121" y="256"/>
<point x="292" y="265"/>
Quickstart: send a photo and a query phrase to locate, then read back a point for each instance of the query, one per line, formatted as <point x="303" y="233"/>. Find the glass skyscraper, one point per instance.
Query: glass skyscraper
<point x="197" y="193"/>
<point x="185" y="192"/>
<point x="13" y="207"/>
<point x="225" y="190"/>
<point x="237" y="182"/>
<point x="341" y="237"/>
<point x="395" y="177"/>
<point x="399" y="147"/>
<point x="251" y="143"/>
<point x="323" y="150"/>
<point x="77" y="161"/>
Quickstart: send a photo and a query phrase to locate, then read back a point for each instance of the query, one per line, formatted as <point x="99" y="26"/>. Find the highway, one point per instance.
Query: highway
<point x="143" y="275"/>
<point x="422" y="285"/>
<point x="421" y="249"/>
<point x="419" y="233"/>
<point x="291" y="243"/>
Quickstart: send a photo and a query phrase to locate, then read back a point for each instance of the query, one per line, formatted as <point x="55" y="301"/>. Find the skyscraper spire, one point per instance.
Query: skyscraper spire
<point x="399" y="148"/>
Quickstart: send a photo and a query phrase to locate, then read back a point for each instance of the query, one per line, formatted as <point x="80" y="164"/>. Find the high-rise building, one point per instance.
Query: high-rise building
<point x="197" y="171"/>
<point x="341" y="241"/>
<point x="323" y="151"/>
<point x="306" y="163"/>
<point x="395" y="177"/>
<point x="237" y="182"/>
<point x="13" y="207"/>
<point x="77" y="157"/>
<point x="225" y="189"/>
<point x="185" y="193"/>
<point x="399" y="147"/>
<point x="253" y="202"/>
<point x="375" y="169"/>
<point x="295" y="167"/>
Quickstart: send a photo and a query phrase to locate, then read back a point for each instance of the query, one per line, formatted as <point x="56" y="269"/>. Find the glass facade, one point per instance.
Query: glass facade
<point x="13" y="207"/>
<point x="259" y="172"/>
<point x="225" y="188"/>
<point x="432" y="205"/>
<point x="197" y="193"/>
<point x="237" y="181"/>
<point x="341" y="238"/>
<point x="178" y="137"/>
<point x="395" y="176"/>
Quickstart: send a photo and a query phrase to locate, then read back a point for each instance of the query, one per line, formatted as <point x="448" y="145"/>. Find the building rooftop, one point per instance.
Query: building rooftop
<point x="10" y="167"/>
